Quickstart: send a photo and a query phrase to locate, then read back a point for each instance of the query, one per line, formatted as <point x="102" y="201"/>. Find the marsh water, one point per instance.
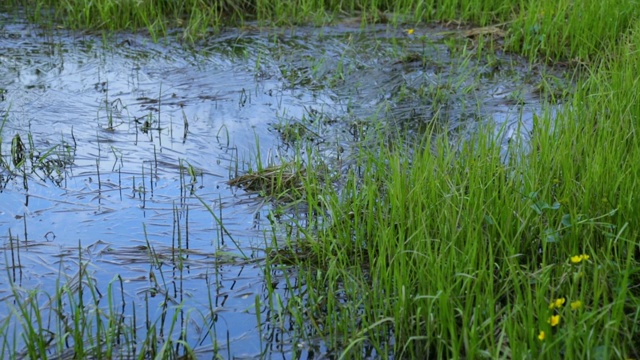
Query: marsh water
<point x="116" y="153"/>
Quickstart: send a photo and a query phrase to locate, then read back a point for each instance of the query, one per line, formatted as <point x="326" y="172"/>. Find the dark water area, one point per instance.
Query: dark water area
<point x="125" y="139"/>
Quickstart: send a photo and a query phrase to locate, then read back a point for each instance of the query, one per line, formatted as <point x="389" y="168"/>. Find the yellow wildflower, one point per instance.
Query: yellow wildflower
<point x="554" y="320"/>
<point x="541" y="336"/>
<point x="575" y="305"/>
<point x="557" y="303"/>
<point x="409" y="31"/>
<point x="579" y="258"/>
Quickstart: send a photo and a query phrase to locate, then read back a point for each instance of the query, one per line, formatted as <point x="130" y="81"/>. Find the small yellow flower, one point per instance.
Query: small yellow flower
<point x="579" y="258"/>
<point x="409" y="31"/>
<point x="541" y="336"/>
<point x="554" y="320"/>
<point x="575" y="305"/>
<point x="557" y="303"/>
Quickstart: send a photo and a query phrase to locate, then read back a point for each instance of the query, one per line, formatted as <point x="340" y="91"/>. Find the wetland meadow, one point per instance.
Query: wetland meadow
<point x="258" y="179"/>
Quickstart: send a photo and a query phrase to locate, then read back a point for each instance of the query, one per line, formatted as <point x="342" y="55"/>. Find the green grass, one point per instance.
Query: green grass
<point x="463" y="254"/>
<point x="444" y="250"/>
<point x="557" y="30"/>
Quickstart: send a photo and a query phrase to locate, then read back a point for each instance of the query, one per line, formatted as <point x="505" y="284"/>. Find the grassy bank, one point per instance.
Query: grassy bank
<point x="452" y="253"/>
<point x="458" y="255"/>
<point x="565" y="29"/>
<point x="444" y="250"/>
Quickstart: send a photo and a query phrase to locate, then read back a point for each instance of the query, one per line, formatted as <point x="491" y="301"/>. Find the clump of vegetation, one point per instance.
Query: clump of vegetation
<point x="276" y="181"/>
<point x="27" y="160"/>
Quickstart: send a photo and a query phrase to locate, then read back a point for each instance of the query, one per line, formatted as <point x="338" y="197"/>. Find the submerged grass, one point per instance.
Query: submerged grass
<point x="83" y="318"/>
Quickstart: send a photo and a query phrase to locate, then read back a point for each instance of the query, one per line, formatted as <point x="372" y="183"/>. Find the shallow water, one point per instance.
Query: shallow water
<point x="130" y="137"/>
